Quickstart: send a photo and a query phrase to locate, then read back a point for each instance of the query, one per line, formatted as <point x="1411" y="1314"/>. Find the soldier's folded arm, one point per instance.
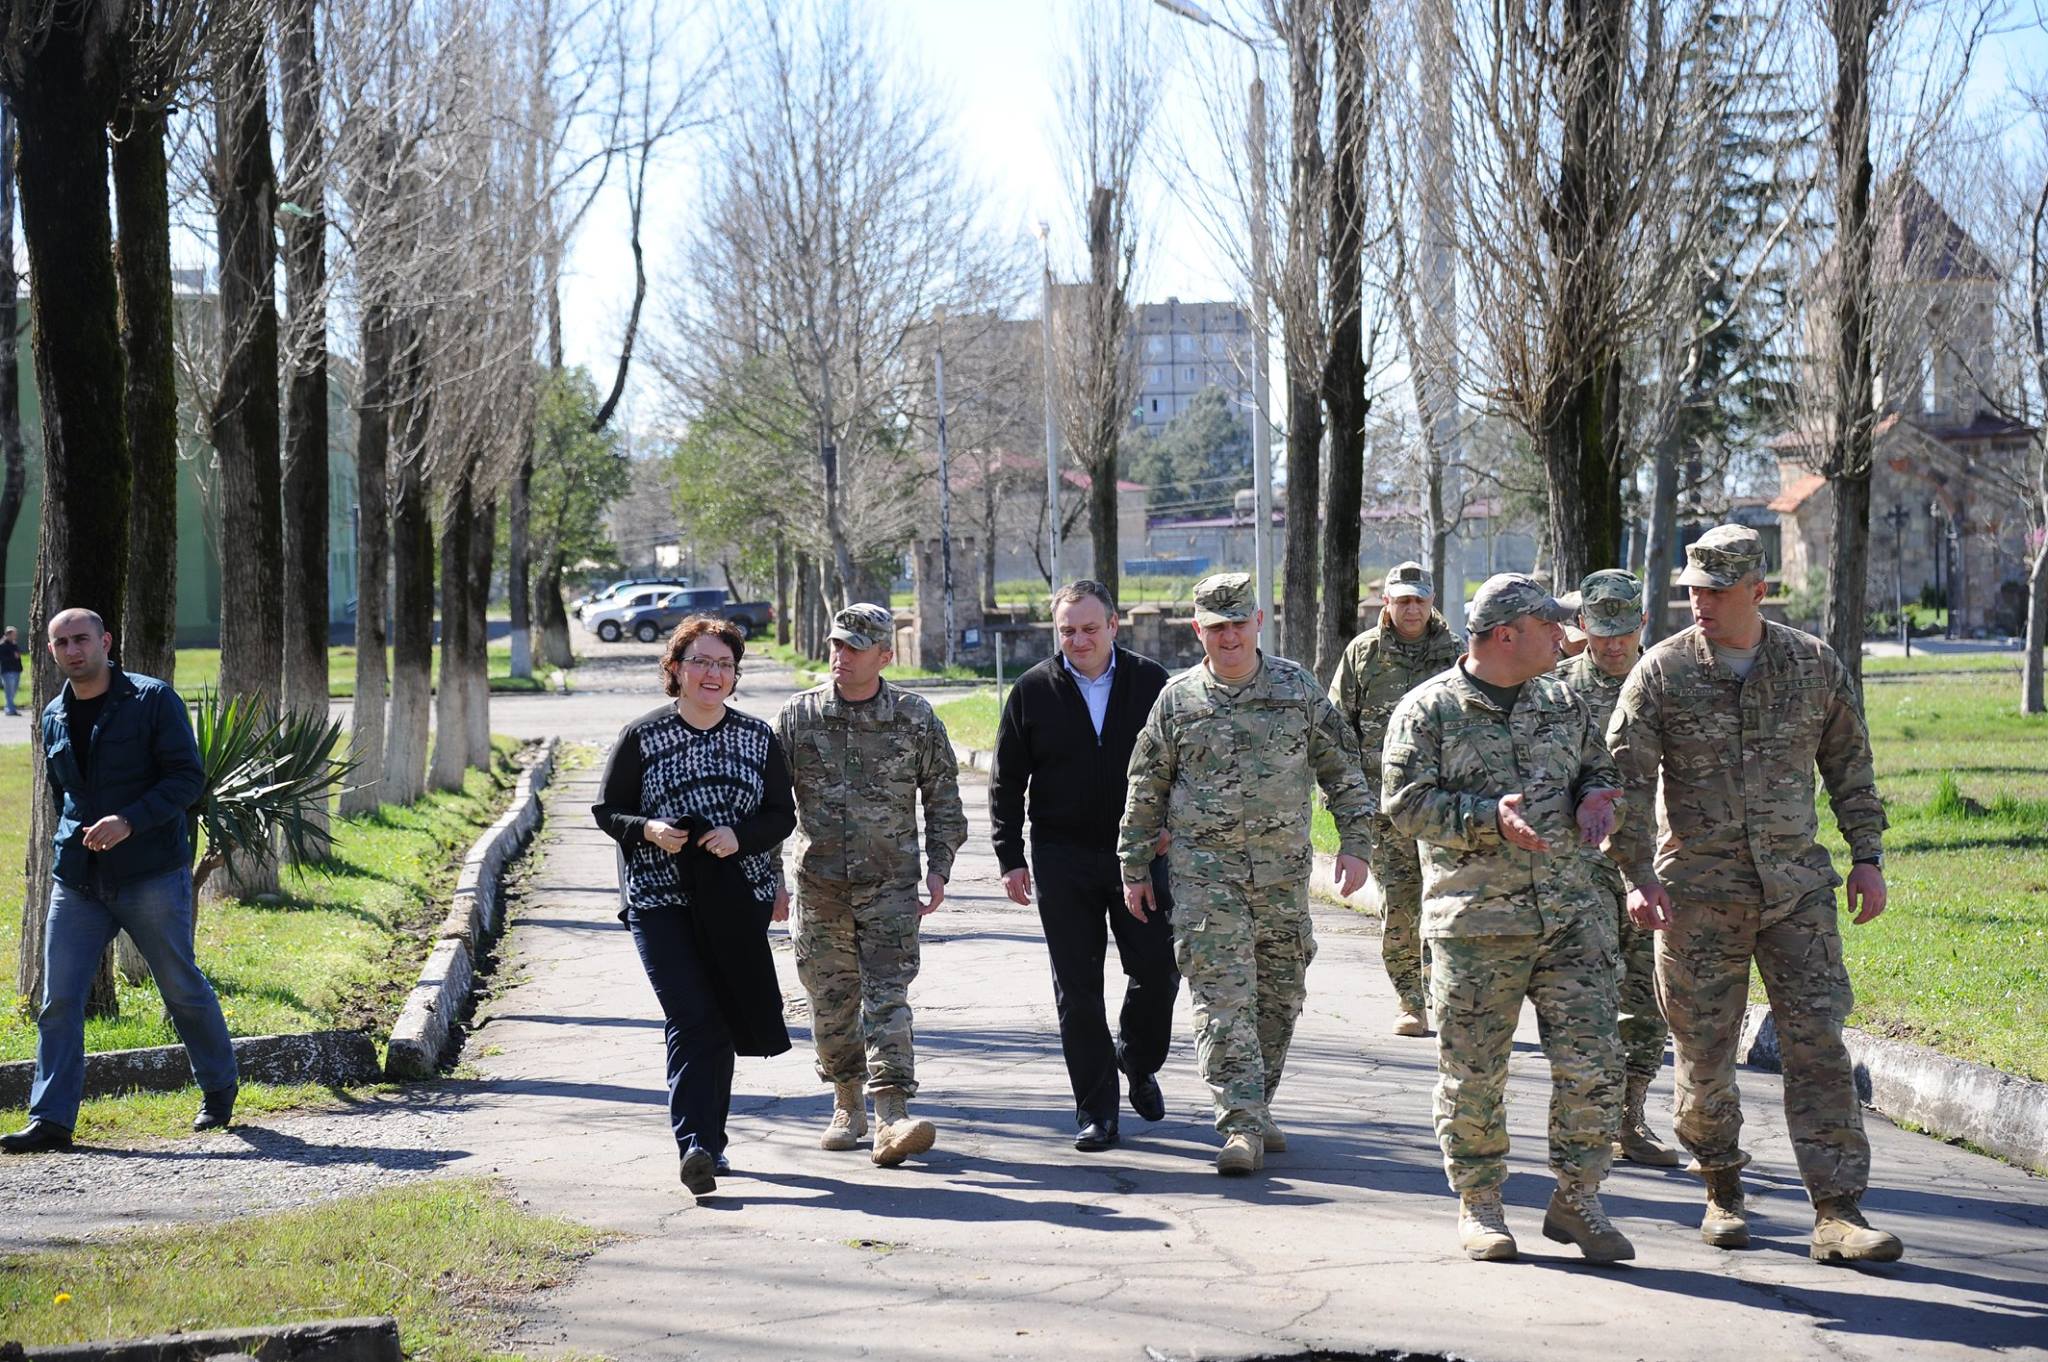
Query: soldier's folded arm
<point x="1844" y="759"/>
<point x="1149" y="778"/>
<point x="1333" y="751"/>
<point x="1413" y="800"/>
<point x="1635" y="742"/>
<point x="945" y="817"/>
<point x="1344" y="691"/>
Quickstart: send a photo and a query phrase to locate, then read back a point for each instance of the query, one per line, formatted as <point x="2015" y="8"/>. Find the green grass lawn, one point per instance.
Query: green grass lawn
<point x="971" y="719"/>
<point x="445" y="1258"/>
<point x="122" y="1120"/>
<point x="339" y="950"/>
<point x="199" y="669"/>
<point x="1959" y="961"/>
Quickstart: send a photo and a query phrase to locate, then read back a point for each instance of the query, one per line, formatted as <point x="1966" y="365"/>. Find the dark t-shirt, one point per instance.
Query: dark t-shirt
<point x="10" y="656"/>
<point x="1503" y="696"/>
<point x="83" y="714"/>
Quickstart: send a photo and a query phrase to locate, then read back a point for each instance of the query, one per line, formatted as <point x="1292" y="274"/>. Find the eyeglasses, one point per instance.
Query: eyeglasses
<point x="724" y="666"/>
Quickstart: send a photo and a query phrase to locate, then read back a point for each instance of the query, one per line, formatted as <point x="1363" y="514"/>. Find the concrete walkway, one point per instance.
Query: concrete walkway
<point x="1005" y="1242"/>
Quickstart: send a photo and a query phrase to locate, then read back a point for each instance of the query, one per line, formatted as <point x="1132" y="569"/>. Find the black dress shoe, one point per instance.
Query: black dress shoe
<point x="723" y="1166"/>
<point x="37" y="1137"/>
<point x="699" y="1170"/>
<point x="1096" y="1136"/>
<point x="216" y="1109"/>
<point x="1146" y="1099"/>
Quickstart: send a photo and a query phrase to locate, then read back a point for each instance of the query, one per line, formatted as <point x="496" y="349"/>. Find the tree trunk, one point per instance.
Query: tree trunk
<point x="412" y="603"/>
<point x="1105" y="415"/>
<point x="554" y="617"/>
<point x="781" y="589"/>
<point x="451" y="720"/>
<point x="245" y="410"/>
<point x="518" y="552"/>
<point x="1344" y="368"/>
<point x="476" y="668"/>
<point x="373" y="562"/>
<point x="142" y="261"/>
<point x="61" y="165"/>
<point x="1846" y="463"/>
<point x="1663" y="529"/>
<point x="304" y="189"/>
<point x="2031" y="696"/>
<point x="13" y="462"/>
<point x="1302" y="332"/>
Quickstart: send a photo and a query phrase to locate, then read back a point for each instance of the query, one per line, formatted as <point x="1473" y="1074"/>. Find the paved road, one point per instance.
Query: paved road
<point x="1005" y="1242"/>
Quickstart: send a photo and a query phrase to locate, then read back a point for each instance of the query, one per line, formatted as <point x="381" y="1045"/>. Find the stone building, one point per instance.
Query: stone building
<point x="1947" y="515"/>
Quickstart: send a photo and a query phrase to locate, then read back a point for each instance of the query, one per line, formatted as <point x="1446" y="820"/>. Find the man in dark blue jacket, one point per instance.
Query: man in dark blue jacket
<point x="123" y="772"/>
<point x="1065" y="740"/>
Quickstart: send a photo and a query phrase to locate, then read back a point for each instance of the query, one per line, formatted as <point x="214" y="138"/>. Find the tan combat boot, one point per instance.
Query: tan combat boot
<point x="1272" y="1136"/>
<point x="1243" y="1152"/>
<point x="897" y="1134"/>
<point x="1723" y="1225"/>
<point x="1638" y="1143"/>
<point x="1411" y="1021"/>
<point x="1575" y="1216"/>
<point x="849" y="1117"/>
<point x="1483" y="1227"/>
<point x="1842" y="1235"/>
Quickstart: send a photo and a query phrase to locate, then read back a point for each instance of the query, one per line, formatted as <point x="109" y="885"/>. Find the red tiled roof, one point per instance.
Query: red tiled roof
<point x="1794" y="496"/>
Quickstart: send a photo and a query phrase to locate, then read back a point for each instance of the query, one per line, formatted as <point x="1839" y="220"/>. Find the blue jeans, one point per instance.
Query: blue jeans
<point x="156" y="912"/>
<point x="10" y="682"/>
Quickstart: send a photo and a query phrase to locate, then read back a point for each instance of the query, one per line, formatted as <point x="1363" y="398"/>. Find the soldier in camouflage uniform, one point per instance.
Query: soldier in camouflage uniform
<point x="1411" y="643"/>
<point x="1496" y="768"/>
<point x="1610" y="605"/>
<point x="1735" y="714"/>
<point x="862" y="753"/>
<point x="1224" y="764"/>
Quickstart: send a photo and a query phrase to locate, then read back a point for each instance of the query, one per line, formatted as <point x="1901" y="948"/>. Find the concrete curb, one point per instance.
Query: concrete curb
<point x="1322" y="884"/>
<point x="978" y="758"/>
<point x="337" y="1058"/>
<point x="426" y="1024"/>
<point x="1950" y="1099"/>
<point x="334" y="1340"/>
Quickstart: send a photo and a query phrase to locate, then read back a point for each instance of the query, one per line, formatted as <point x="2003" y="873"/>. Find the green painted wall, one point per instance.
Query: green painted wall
<point x="198" y="519"/>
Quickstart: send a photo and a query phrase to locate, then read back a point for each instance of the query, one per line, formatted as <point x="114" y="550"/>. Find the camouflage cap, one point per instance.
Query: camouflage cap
<point x="863" y="626"/>
<point x="1224" y="598"/>
<point x="1408" y="579"/>
<point x="1609" y="602"/>
<point x="1506" y="597"/>
<point x="1722" y="557"/>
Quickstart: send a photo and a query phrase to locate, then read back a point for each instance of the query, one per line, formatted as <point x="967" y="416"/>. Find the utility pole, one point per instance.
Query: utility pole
<point x="1052" y="447"/>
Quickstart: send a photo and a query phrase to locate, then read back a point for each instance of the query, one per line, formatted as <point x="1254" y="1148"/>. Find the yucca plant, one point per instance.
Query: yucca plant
<point x="266" y="777"/>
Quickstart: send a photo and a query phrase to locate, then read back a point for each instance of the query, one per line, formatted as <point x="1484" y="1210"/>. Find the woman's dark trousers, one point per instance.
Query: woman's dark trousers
<point x="700" y="1053"/>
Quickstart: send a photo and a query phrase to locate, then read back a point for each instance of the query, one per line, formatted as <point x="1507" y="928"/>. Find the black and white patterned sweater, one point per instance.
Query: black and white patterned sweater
<point x="731" y="775"/>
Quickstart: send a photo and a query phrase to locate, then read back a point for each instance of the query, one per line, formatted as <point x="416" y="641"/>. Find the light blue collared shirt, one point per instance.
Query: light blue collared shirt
<point x="1096" y="692"/>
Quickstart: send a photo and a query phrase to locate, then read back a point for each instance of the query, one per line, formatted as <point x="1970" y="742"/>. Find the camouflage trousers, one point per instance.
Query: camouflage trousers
<point x="1477" y="984"/>
<point x="1397" y="869"/>
<point x="1703" y="982"/>
<point x="1643" y="1030"/>
<point x="1245" y="953"/>
<point x="856" y="953"/>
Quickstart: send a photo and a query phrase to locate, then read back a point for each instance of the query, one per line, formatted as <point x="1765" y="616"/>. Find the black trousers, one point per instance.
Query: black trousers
<point x="700" y="1053"/>
<point x="1080" y="903"/>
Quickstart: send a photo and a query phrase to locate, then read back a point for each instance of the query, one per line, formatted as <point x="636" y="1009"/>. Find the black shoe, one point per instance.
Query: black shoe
<point x="1146" y="1099"/>
<point x="1096" y="1136"/>
<point x="699" y="1171"/>
<point x="37" y="1137"/>
<point x="216" y="1109"/>
<point x="722" y="1166"/>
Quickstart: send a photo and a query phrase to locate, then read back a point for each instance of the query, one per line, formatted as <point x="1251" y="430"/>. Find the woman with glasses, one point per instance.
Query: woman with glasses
<point x="697" y="795"/>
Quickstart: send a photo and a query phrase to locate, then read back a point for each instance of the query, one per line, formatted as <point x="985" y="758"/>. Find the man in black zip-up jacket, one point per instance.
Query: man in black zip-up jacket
<point x="1063" y="746"/>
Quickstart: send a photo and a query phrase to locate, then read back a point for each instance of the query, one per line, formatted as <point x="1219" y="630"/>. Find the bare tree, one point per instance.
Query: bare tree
<point x="13" y="464"/>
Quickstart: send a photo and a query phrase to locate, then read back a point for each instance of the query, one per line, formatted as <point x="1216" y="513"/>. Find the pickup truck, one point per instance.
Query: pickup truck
<point x="649" y="622"/>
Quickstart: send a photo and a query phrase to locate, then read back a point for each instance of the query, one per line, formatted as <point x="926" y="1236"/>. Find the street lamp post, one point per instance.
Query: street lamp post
<point x="1052" y="448"/>
<point x="1262" y="431"/>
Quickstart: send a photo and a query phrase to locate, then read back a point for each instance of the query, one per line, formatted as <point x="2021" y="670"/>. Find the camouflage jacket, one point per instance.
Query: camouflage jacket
<point x="1599" y="691"/>
<point x="1735" y="819"/>
<point x="1377" y="669"/>
<point x="1228" y="772"/>
<point x="1451" y="755"/>
<point x="859" y="771"/>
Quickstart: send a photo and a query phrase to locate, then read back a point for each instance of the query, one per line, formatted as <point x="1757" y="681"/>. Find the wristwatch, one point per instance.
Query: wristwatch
<point x="1877" y="860"/>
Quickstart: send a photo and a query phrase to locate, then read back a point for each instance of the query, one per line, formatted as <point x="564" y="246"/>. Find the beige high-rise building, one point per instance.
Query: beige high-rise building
<point x="1182" y="348"/>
